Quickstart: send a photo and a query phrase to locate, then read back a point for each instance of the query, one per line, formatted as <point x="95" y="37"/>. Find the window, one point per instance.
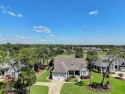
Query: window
<point x="13" y="73"/>
<point x="84" y="72"/>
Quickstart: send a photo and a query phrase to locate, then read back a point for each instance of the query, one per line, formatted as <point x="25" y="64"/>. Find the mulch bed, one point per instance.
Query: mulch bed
<point x="99" y="89"/>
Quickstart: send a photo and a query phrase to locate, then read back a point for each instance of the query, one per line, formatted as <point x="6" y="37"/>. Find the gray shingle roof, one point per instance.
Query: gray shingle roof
<point x="65" y="64"/>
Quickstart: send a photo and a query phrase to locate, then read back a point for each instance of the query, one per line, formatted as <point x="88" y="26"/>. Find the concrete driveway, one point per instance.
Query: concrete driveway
<point x="116" y="74"/>
<point x="54" y="86"/>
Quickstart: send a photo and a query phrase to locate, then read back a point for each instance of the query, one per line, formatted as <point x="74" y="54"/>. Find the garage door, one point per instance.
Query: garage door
<point x="55" y="77"/>
<point x="61" y="78"/>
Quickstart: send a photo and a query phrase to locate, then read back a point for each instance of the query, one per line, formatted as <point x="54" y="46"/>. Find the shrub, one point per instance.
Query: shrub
<point x="68" y="79"/>
<point x="107" y="75"/>
<point x="86" y="77"/>
<point x="95" y="84"/>
<point x="73" y="76"/>
<point x="80" y="83"/>
<point x="82" y="77"/>
<point x="120" y="75"/>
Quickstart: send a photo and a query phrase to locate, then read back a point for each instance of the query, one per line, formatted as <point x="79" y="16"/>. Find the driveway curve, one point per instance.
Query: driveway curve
<point x="54" y="86"/>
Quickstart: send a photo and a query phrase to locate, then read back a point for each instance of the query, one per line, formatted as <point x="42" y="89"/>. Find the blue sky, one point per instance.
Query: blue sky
<point x="62" y="21"/>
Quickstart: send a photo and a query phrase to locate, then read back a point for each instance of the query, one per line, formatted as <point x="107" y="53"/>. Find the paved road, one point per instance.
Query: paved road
<point x="54" y="86"/>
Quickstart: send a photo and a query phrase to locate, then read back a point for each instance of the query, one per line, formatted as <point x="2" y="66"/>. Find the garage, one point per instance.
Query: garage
<point x="58" y="77"/>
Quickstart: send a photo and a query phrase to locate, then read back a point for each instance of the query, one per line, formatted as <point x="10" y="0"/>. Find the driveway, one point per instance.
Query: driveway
<point x="54" y="86"/>
<point x="116" y="74"/>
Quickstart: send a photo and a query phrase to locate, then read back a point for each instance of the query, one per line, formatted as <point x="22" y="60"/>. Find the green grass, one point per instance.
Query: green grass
<point x="66" y="56"/>
<point x="39" y="89"/>
<point x="117" y="85"/>
<point x="42" y="77"/>
<point x="100" y="54"/>
<point x="73" y="80"/>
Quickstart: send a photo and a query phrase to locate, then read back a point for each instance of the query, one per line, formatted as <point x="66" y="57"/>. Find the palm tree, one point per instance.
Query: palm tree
<point x="91" y="56"/>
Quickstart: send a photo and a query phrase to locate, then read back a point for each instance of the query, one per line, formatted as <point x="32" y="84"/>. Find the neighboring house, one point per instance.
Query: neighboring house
<point x="102" y="63"/>
<point x="98" y="49"/>
<point x="106" y="49"/>
<point x="93" y="48"/>
<point x="12" y="68"/>
<point x="64" y="67"/>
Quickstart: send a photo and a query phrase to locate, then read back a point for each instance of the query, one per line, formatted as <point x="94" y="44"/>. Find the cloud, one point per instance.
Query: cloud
<point x="5" y="10"/>
<point x="12" y="13"/>
<point x="93" y="12"/>
<point x="43" y="29"/>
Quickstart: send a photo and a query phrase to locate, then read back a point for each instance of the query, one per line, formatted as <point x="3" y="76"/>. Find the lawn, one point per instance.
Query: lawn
<point x="42" y="77"/>
<point x="73" y="80"/>
<point x="39" y="89"/>
<point x="117" y="85"/>
<point x="66" y="56"/>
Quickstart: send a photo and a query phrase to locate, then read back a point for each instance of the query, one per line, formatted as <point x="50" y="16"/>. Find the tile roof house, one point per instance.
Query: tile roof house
<point x="64" y="67"/>
<point x="102" y="63"/>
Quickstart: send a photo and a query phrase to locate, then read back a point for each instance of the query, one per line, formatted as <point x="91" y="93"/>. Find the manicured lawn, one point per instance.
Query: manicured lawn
<point x="117" y="85"/>
<point x="73" y="80"/>
<point x="66" y="56"/>
<point x="102" y="54"/>
<point x="42" y="77"/>
<point x="39" y="89"/>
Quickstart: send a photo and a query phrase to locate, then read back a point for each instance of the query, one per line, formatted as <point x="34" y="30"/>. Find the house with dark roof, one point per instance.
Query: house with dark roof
<point x="64" y="67"/>
<point x="101" y="64"/>
<point x="12" y="68"/>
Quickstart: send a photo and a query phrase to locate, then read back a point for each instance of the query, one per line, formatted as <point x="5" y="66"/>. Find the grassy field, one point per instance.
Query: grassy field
<point x="117" y="85"/>
<point x="39" y="89"/>
<point x="42" y="77"/>
<point x="100" y="54"/>
<point x="66" y="56"/>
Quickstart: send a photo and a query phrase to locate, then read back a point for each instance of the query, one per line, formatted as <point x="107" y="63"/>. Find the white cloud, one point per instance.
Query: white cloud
<point x="5" y="10"/>
<point x="12" y="13"/>
<point x="43" y="29"/>
<point x="95" y="12"/>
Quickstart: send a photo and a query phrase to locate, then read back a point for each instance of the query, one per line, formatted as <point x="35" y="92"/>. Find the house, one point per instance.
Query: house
<point x="102" y="63"/>
<point x="98" y="49"/>
<point x="65" y="67"/>
<point x="106" y="49"/>
<point x="12" y="68"/>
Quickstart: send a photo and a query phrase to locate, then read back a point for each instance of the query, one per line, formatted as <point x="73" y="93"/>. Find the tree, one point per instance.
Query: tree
<point x="114" y="53"/>
<point x="79" y="53"/>
<point x="91" y="56"/>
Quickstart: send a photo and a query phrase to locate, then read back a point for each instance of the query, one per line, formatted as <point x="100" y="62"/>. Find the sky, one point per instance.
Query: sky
<point x="84" y="22"/>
